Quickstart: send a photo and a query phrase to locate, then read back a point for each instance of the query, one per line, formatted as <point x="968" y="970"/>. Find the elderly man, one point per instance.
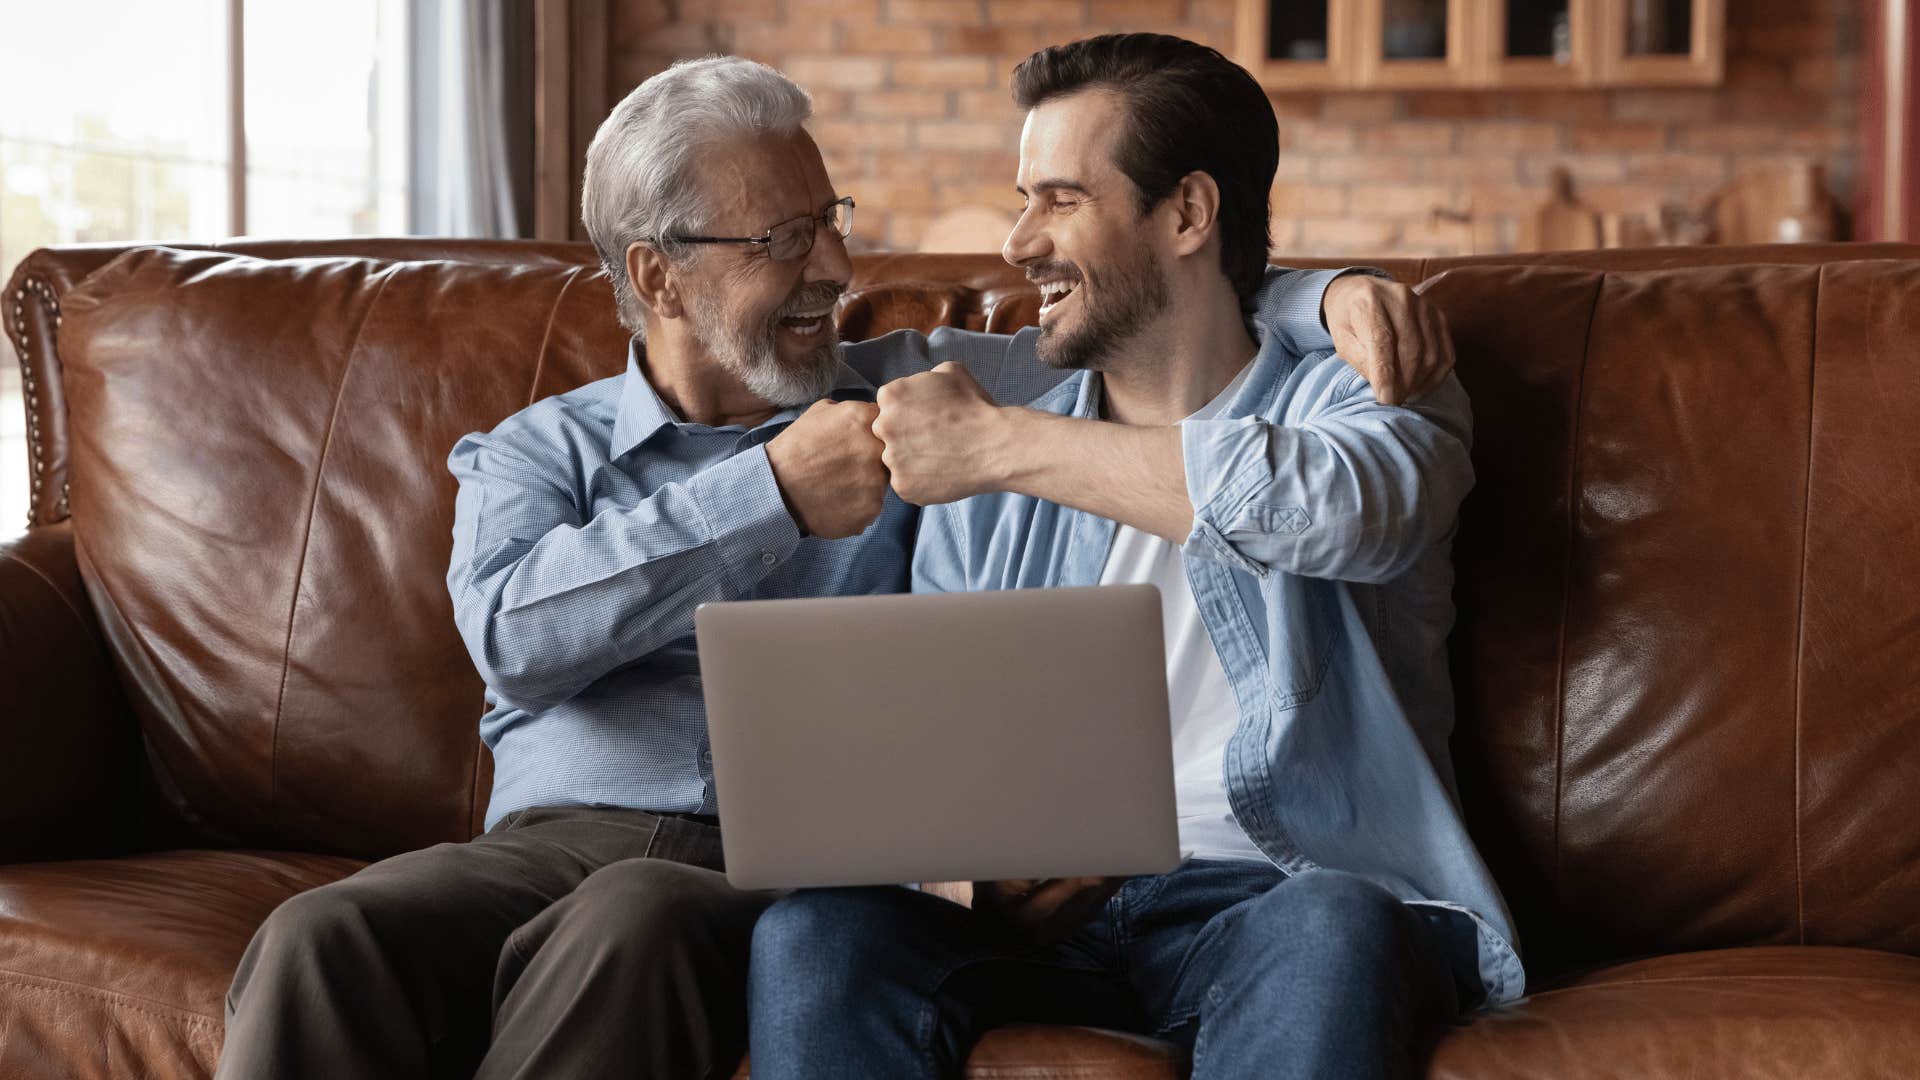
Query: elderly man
<point x="1332" y="908"/>
<point x="590" y="930"/>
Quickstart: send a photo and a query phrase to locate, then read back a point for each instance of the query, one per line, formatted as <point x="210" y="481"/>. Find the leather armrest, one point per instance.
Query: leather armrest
<point x="69" y="769"/>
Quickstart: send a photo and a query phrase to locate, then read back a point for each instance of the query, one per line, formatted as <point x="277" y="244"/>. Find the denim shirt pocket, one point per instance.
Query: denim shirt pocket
<point x="1292" y="619"/>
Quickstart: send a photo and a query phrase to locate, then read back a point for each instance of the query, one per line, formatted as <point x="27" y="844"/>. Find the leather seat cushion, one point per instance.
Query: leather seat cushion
<point x="1775" y="1011"/>
<point x="120" y="967"/>
<point x="1043" y="1052"/>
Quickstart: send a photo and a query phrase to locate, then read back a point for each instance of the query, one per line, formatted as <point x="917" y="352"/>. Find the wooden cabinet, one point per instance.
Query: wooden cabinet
<point x="1428" y="44"/>
<point x="1297" y="45"/>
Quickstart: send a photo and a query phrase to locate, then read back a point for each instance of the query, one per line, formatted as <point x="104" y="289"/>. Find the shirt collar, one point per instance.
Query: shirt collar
<point x="642" y="414"/>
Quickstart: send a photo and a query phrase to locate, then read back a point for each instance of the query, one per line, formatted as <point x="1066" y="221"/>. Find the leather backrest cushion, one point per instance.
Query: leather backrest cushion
<point x="264" y="512"/>
<point x="262" y="504"/>
<point x="1687" y="581"/>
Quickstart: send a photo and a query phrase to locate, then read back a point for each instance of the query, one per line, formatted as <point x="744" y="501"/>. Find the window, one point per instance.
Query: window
<point x="131" y="137"/>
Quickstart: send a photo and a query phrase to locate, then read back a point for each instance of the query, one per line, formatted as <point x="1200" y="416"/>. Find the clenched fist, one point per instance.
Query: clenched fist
<point x="827" y="464"/>
<point x="940" y="429"/>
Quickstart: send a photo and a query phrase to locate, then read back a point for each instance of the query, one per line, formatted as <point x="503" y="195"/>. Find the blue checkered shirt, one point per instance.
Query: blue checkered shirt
<point x="590" y="525"/>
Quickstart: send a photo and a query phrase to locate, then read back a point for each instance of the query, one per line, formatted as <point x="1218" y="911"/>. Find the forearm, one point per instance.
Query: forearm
<point x="1133" y="475"/>
<point x="544" y="619"/>
<point x="539" y="637"/>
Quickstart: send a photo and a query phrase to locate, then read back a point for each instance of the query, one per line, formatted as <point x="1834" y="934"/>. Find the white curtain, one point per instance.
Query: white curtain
<point x="472" y="118"/>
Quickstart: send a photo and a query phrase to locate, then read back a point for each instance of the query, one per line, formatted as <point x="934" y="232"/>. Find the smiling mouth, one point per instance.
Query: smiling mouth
<point x="1053" y="292"/>
<point x="806" y="323"/>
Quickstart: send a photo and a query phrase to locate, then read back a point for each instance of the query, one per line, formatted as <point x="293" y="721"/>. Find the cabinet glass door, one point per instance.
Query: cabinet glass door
<point x="1294" y="43"/>
<point x="1414" y="42"/>
<point x="1413" y="30"/>
<point x="1655" y="42"/>
<point x="1658" y="27"/>
<point x="1538" y="42"/>
<point x="1539" y="30"/>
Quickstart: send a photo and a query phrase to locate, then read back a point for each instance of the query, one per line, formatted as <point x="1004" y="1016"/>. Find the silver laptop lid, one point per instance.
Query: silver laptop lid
<point x="958" y="736"/>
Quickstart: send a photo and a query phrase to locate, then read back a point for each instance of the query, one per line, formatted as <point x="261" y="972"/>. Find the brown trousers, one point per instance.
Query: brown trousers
<point x="566" y="942"/>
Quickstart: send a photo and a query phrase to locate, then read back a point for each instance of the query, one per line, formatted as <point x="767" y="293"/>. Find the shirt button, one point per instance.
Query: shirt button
<point x="767" y="557"/>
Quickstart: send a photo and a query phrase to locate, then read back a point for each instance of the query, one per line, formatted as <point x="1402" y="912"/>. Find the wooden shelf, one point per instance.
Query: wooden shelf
<point x="1597" y="53"/>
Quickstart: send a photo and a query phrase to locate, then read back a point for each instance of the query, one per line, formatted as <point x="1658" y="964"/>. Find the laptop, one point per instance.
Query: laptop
<point x="940" y="737"/>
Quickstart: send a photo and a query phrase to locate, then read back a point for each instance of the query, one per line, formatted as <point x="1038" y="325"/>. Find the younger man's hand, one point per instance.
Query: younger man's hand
<point x="1390" y="334"/>
<point x="1046" y="910"/>
<point x="939" y="428"/>
<point x="827" y="464"/>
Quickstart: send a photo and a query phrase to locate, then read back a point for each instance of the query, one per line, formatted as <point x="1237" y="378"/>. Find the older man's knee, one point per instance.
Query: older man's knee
<point x="318" y="935"/>
<point x="649" y="913"/>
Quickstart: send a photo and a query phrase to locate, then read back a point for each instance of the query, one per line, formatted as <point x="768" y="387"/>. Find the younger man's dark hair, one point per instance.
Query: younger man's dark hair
<point x="1189" y="109"/>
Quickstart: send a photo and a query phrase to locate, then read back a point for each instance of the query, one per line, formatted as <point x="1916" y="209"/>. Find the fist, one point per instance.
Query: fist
<point x="827" y="464"/>
<point x="1390" y="334"/>
<point x="940" y="430"/>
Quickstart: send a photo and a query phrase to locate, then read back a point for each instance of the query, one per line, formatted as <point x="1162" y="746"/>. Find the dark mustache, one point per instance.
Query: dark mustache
<point x="1043" y="271"/>
<point x="811" y="298"/>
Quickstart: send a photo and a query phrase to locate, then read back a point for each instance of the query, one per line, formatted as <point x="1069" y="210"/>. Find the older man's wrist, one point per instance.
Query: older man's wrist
<point x="1344" y="274"/>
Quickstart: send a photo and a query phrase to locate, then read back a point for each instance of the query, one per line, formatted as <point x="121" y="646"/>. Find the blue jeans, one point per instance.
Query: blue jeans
<point x="1255" y="973"/>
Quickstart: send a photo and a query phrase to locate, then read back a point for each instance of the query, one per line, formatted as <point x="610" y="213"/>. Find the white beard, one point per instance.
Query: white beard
<point x="755" y="359"/>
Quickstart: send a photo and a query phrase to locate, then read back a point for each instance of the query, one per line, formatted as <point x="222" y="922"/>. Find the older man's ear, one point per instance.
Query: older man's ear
<point x="653" y="281"/>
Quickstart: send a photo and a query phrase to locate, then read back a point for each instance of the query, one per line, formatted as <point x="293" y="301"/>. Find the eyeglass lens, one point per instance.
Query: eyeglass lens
<point x="793" y="239"/>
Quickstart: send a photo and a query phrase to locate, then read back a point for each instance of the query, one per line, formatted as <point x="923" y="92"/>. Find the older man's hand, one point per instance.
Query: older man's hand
<point x="1390" y="334"/>
<point x="939" y="428"/>
<point x="827" y="464"/>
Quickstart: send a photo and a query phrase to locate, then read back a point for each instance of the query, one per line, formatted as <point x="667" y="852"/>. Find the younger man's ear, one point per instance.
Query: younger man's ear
<point x="653" y="281"/>
<point x="1195" y="201"/>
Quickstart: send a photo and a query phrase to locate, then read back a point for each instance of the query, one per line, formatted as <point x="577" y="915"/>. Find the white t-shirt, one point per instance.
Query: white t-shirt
<point x="1199" y="698"/>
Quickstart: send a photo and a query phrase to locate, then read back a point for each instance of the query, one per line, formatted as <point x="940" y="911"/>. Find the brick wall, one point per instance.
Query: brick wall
<point x="913" y="115"/>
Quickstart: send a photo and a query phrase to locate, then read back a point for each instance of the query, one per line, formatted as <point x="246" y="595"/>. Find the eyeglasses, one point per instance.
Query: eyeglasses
<point x="790" y="239"/>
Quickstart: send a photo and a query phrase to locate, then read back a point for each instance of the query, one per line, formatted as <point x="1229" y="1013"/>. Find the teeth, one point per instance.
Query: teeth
<point x="1052" y="292"/>
<point x="808" y="328"/>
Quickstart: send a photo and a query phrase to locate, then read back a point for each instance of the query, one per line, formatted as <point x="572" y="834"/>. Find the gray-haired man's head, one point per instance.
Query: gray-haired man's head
<point x="715" y="149"/>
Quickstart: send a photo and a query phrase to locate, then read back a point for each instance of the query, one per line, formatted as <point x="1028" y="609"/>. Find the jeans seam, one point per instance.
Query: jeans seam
<point x="930" y="1008"/>
<point x="1174" y="1020"/>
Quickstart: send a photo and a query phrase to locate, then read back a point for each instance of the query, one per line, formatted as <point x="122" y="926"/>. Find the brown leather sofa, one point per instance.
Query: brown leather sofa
<point x="1686" y="657"/>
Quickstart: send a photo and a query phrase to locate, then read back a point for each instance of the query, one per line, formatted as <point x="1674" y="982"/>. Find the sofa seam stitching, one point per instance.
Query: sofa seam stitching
<point x="1566" y="576"/>
<point x="306" y="540"/>
<point x="117" y="998"/>
<point x="546" y="335"/>
<point x="1800" y="614"/>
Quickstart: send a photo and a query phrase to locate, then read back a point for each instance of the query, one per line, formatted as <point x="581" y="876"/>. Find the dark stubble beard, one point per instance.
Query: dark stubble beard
<point x="1132" y="295"/>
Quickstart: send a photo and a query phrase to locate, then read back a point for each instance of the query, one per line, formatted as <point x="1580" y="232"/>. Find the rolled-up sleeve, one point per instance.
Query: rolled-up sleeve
<point x="547" y="602"/>
<point x="1289" y="305"/>
<point x="1353" y="491"/>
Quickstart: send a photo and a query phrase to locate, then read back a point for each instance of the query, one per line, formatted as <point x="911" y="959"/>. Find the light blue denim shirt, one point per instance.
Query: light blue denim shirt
<point x="590" y="525"/>
<point x="1320" y="559"/>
